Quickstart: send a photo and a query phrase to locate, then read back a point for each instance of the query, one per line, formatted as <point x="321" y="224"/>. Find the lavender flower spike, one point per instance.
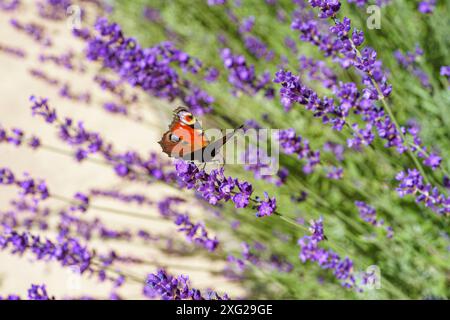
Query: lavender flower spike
<point x="167" y="287"/>
<point x="411" y="182"/>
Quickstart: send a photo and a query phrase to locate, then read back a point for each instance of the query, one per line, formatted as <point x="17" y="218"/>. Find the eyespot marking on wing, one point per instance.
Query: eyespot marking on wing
<point x="174" y="138"/>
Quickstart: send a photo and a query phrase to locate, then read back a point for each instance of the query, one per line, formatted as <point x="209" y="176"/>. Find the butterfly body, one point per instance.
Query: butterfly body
<point x="186" y="139"/>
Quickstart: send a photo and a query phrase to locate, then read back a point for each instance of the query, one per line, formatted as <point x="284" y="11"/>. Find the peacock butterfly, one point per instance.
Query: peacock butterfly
<point x="186" y="139"/>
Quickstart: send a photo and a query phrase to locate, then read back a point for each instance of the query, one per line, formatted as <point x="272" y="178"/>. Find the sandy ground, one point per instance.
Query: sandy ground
<point x="67" y="176"/>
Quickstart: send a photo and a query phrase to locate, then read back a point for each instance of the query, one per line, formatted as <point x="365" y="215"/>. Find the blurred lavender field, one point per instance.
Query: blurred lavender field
<point x="91" y="208"/>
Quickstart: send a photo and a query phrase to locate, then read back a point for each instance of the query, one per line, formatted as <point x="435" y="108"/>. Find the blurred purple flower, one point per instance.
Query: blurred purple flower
<point x="326" y="259"/>
<point x="335" y="148"/>
<point x="216" y="2"/>
<point x="409" y="61"/>
<point x="243" y="77"/>
<point x="9" y="5"/>
<point x="151" y="14"/>
<point x="53" y="9"/>
<point x="35" y="31"/>
<point x="267" y="206"/>
<point x="38" y="292"/>
<point x="68" y="252"/>
<point x="167" y="287"/>
<point x="247" y="24"/>
<point x="291" y="143"/>
<point x="411" y="182"/>
<point x="335" y="173"/>
<point x="211" y="75"/>
<point x="426" y="7"/>
<point x="17" y="52"/>
<point x="152" y="69"/>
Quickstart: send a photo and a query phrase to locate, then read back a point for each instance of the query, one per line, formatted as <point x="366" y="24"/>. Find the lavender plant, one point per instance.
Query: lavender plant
<point x="363" y="169"/>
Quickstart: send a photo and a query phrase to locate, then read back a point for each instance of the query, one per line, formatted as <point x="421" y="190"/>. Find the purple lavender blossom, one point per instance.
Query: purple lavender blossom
<point x="82" y="202"/>
<point x="389" y="232"/>
<point x="216" y="2"/>
<point x="291" y="143"/>
<point x="267" y="206"/>
<point x="411" y="182"/>
<point x="317" y="70"/>
<point x="326" y="259"/>
<point x="242" y="198"/>
<point x="41" y="75"/>
<point x="361" y="137"/>
<point x="11" y="297"/>
<point x="328" y="8"/>
<point x="316" y="229"/>
<point x="257" y="161"/>
<point x="40" y="107"/>
<point x="126" y="164"/>
<point x="257" y="47"/>
<point x="83" y="33"/>
<point x="195" y="232"/>
<point x="137" y="198"/>
<point x="256" y="255"/>
<point x="247" y="24"/>
<point x="38" y="292"/>
<point x="294" y="91"/>
<point x="167" y="287"/>
<point x="115" y="108"/>
<point x="53" y="9"/>
<point x="152" y="14"/>
<point x="426" y="7"/>
<point x="66" y="92"/>
<point x="343" y="46"/>
<point x="152" y="69"/>
<point x="367" y="213"/>
<point x="211" y="75"/>
<point x="215" y="187"/>
<point x="17" y="52"/>
<point x="35" y="31"/>
<point x="115" y="87"/>
<point x="9" y="5"/>
<point x="335" y="173"/>
<point x="409" y="61"/>
<point x="291" y="44"/>
<point x="243" y="77"/>
<point x="445" y="71"/>
<point x="67" y="252"/>
<point x="72" y="224"/>
<point x="335" y="148"/>
<point x="35" y="292"/>
<point x="65" y="60"/>
<point x="17" y="137"/>
<point x="28" y="186"/>
<point x="432" y="159"/>
<point x="361" y="3"/>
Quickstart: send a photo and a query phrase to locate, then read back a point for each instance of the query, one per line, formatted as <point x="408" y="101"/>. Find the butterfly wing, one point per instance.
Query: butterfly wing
<point x="187" y="140"/>
<point x="183" y="140"/>
<point x="212" y="149"/>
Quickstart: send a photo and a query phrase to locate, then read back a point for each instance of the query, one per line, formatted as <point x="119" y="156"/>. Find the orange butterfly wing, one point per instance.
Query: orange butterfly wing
<point x="182" y="139"/>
